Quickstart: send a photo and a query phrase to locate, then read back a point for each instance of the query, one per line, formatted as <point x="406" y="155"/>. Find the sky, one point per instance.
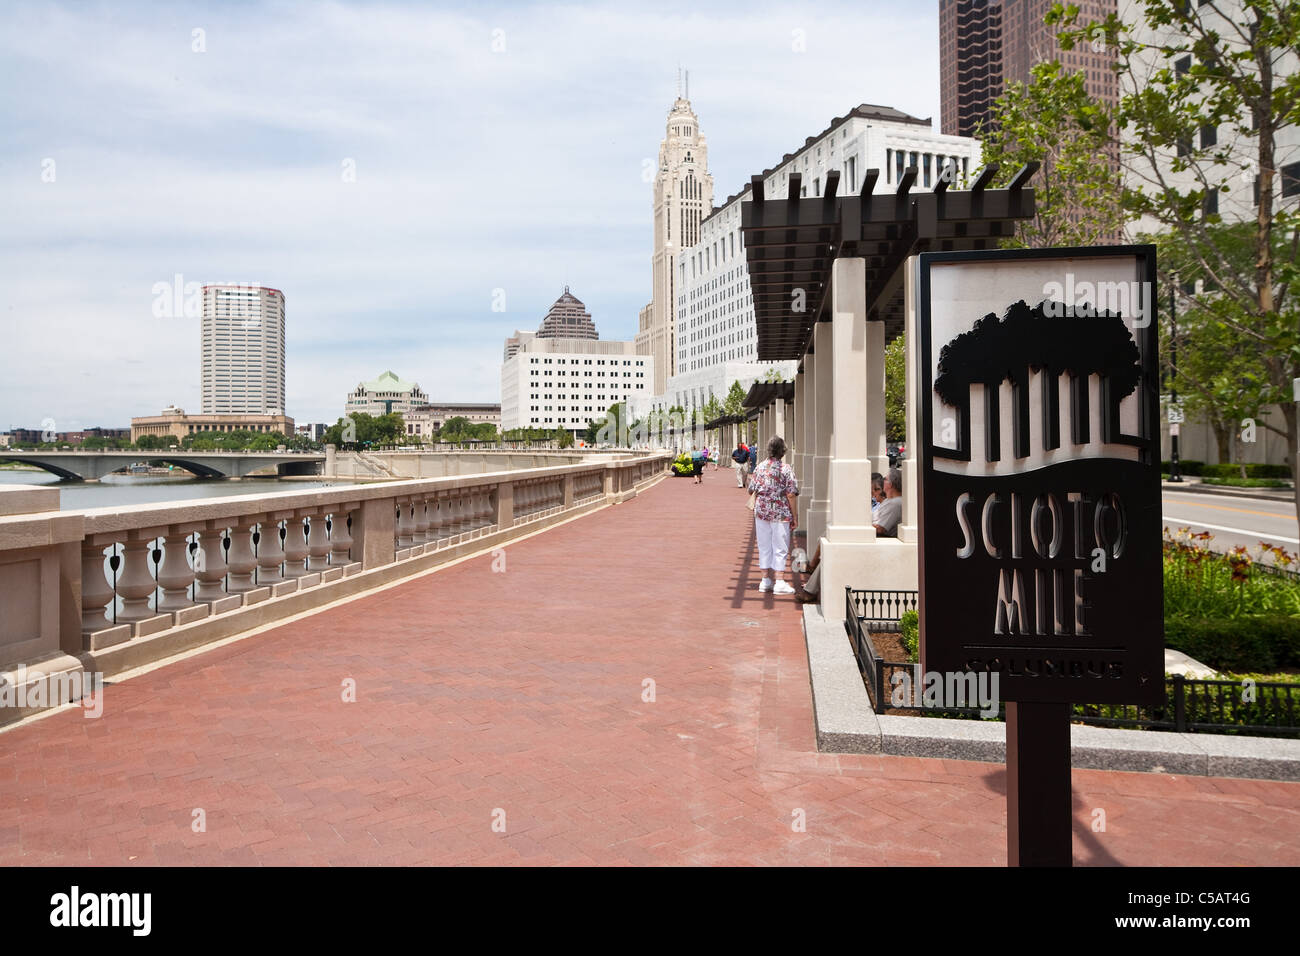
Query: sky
<point x="388" y="166"/>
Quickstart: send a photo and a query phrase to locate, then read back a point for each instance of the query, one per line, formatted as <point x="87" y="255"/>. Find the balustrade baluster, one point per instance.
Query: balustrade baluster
<point x="422" y="518"/>
<point x="241" y="559"/>
<point x="95" y="592"/>
<point x="210" y="566"/>
<point x="174" y="573"/>
<point x="295" y="547"/>
<point x="437" y="519"/>
<point x="135" y="585"/>
<point x="340" y="538"/>
<point x="270" y="554"/>
<point x="318" y="542"/>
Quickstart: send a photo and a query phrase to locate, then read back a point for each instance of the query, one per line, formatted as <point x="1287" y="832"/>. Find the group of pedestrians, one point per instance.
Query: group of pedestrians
<point x="745" y="460"/>
<point x="773" y="492"/>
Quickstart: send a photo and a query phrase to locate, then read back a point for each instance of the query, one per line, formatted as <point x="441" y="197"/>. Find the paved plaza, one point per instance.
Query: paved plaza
<point x="514" y="695"/>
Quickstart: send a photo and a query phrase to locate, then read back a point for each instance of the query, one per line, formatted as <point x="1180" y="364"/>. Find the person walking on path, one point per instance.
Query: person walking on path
<point x="741" y="457"/>
<point x="890" y="511"/>
<point x="775" y="515"/>
<point x="698" y="459"/>
<point x="752" y="461"/>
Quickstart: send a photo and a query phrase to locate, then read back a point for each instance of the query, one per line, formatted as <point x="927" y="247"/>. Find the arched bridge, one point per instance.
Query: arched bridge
<point x="93" y="465"/>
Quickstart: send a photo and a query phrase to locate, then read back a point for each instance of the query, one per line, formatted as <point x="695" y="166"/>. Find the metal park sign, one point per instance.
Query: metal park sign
<point x="1039" y="499"/>
<point x="1040" y="486"/>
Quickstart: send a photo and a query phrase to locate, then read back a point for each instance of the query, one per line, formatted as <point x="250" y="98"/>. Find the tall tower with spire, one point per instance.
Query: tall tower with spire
<point x="683" y="196"/>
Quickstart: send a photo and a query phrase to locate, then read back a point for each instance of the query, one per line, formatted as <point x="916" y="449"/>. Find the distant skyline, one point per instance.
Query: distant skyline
<point x="474" y="170"/>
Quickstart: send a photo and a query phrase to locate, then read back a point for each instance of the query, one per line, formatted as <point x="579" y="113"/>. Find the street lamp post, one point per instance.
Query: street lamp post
<point x="1174" y="473"/>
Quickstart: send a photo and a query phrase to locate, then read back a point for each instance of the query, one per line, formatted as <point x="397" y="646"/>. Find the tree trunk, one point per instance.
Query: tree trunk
<point x="1289" y="413"/>
<point x="1222" y="438"/>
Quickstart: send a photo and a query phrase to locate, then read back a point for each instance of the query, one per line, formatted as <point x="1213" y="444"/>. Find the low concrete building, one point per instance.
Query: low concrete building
<point x="174" y="422"/>
<point x="425" y="421"/>
<point x="385" y="394"/>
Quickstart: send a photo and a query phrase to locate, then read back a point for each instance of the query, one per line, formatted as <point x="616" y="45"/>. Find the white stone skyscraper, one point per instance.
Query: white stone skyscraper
<point x="242" y="354"/>
<point x="683" y="195"/>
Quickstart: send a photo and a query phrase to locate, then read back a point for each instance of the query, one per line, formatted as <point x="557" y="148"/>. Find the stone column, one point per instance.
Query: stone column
<point x="505" y="510"/>
<point x="807" y="441"/>
<point x="849" y="532"/>
<point x="877" y="448"/>
<point x="823" y="355"/>
<point x="374" y="532"/>
<point x="907" y="526"/>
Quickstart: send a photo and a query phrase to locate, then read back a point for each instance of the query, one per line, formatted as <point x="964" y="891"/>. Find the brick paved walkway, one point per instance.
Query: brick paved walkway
<point x="522" y="691"/>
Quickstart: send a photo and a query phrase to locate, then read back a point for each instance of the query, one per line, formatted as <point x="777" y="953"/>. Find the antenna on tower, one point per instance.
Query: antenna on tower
<point x="679" y="81"/>
<point x="688" y="84"/>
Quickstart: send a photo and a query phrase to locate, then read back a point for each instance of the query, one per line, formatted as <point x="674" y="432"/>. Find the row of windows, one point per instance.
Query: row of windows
<point x="588" y="375"/>
<point x="628" y="362"/>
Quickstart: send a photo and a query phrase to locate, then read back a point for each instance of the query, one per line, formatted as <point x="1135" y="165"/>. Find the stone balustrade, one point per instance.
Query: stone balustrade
<point x="110" y="589"/>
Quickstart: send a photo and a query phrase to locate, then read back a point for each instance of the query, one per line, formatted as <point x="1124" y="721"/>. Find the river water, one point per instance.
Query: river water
<point x="150" y="489"/>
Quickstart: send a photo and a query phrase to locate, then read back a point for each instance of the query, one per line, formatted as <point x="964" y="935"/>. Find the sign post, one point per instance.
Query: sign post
<point x="1039" y="501"/>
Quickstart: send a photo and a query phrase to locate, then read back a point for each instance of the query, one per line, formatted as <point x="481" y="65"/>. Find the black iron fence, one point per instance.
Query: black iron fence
<point x="1213" y="706"/>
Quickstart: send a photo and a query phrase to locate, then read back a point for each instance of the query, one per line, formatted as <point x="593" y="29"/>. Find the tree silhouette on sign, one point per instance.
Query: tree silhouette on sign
<point x="1049" y="337"/>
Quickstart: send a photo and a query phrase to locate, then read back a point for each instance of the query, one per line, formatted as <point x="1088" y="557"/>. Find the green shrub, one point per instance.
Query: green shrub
<point x="1248" y="482"/>
<point x="1252" y="471"/>
<point x="910" y="626"/>
<point x="1258" y="642"/>
<point x="1185" y="467"/>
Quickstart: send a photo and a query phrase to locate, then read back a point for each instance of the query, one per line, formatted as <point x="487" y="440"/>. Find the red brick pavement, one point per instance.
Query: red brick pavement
<point x="521" y="691"/>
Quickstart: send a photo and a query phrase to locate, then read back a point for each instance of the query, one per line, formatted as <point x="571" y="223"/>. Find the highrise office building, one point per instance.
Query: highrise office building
<point x="567" y="318"/>
<point x="986" y="44"/>
<point x="717" y="337"/>
<point x="242" y="352"/>
<point x="970" y="57"/>
<point x="683" y="196"/>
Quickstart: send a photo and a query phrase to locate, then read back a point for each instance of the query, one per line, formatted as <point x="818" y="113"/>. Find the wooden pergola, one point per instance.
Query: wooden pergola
<point x="791" y="243"/>
<point x="832" y="280"/>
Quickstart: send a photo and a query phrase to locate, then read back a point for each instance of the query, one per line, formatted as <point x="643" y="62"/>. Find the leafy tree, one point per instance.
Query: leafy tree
<point x="153" y="442"/>
<point x="563" y="437"/>
<point x="734" y="403"/>
<point x="1053" y="121"/>
<point x="1203" y="105"/>
<point x="895" y="390"/>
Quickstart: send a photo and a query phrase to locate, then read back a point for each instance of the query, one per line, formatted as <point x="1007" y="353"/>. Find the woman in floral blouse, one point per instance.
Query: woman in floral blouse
<point x="775" y="515"/>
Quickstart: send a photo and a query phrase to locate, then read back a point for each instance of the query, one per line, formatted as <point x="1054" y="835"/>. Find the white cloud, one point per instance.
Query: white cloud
<point x="474" y="171"/>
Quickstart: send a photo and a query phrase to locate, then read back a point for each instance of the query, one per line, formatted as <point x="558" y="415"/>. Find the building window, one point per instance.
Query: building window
<point x="1210" y="206"/>
<point x="1290" y="180"/>
<point x="1209" y="136"/>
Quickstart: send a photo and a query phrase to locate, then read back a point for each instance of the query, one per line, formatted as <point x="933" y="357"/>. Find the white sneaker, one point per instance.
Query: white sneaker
<point x="765" y="584"/>
<point x="782" y="588"/>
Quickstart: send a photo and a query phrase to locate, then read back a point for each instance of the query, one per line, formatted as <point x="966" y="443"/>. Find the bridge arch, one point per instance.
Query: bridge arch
<point x="46" y="466"/>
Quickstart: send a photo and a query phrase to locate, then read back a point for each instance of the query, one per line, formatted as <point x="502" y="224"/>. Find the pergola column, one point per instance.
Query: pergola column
<point x="778" y="417"/>
<point x="824" y="397"/>
<point x="877" y="447"/>
<point x="908" y="466"/>
<point x="849" y="533"/>
<point x="800" y="435"/>
<point x="808" y="477"/>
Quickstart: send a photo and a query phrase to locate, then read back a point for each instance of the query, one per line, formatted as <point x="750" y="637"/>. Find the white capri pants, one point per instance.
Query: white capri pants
<point x="773" y="544"/>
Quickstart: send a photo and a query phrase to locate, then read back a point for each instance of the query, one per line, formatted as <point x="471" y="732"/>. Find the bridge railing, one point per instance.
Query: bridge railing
<point x="120" y="587"/>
